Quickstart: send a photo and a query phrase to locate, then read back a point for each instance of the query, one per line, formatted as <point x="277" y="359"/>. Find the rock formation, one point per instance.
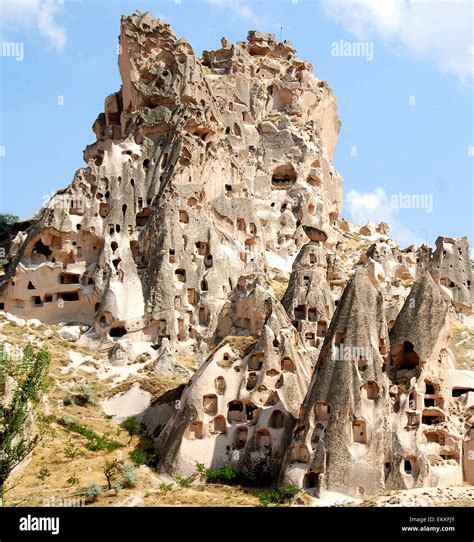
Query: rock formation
<point x="204" y="170"/>
<point x="209" y="196"/>
<point x="344" y="427"/>
<point x="308" y="300"/>
<point x="241" y="405"/>
<point x="452" y="269"/>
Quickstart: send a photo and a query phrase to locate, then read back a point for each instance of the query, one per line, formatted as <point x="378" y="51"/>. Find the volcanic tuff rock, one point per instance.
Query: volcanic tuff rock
<point x="203" y="170"/>
<point x="241" y="405"/>
<point x="308" y="299"/>
<point x="345" y="416"/>
<point x="452" y="268"/>
<point x="208" y="196"/>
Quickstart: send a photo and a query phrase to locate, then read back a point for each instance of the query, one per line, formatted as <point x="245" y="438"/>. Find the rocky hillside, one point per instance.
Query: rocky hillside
<point x="197" y="275"/>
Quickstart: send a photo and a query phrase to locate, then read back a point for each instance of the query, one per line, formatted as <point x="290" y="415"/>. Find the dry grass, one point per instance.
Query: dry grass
<point x="188" y="361"/>
<point x="24" y="488"/>
<point x="156" y="385"/>
<point x="28" y="490"/>
<point x="279" y="288"/>
<point x="240" y="345"/>
<point x="461" y="347"/>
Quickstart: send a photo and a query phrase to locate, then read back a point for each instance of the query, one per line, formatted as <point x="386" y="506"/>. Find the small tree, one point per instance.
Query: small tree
<point x="133" y="426"/>
<point x="43" y="474"/>
<point x="6" y="222"/>
<point x="27" y="380"/>
<point x="111" y="470"/>
<point x="73" y="480"/>
<point x="71" y="451"/>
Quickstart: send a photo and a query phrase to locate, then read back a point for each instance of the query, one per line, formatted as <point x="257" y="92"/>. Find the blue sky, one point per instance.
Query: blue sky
<point x="407" y="114"/>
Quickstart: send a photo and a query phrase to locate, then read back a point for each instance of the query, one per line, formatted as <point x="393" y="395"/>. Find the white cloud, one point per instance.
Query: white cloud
<point x="437" y="30"/>
<point x="238" y="8"/>
<point x="376" y="206"/>
<point x="36" y="14"/>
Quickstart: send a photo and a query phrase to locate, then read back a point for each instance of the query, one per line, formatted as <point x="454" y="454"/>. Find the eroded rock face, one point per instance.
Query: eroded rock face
<point x="203" y="169"/>
<point x="451" y="268"/>
<point x="345" y="419"/>
<point x="383" y="413"/>
<point x="308" y="300"/>
<point x="208" y="195"/>
<point x="241" y="406"/>
<point x="427" y="418"/>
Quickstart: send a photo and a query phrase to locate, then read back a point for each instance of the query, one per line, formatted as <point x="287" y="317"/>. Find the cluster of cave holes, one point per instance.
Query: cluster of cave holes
<point x="432" y="397"/>
<point x="241" y="411"/>
<point x="303" y="313"/>
<point x="235" y="130"/>
<point x="114" y="229"/>
<point x="242" y="226"/>
<point x="37" y="301"/>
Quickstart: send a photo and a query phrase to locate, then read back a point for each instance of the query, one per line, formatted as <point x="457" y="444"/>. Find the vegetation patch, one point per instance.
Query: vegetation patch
<point x="278" y="495"/>
<point x="95" y="442"/>
<point x="223" y="475"/>
<point x="240" y="345"/>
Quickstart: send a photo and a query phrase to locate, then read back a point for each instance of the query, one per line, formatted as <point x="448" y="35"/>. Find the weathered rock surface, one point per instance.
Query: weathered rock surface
<point x="241" y="406"/>
<point x="208" y="196"/>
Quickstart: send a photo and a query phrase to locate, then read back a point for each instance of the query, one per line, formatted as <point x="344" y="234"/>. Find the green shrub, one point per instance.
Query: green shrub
<point x="129" y="477"/>
<point x="185" y="481"/>
<point x="148" y="456"/>
<point x="165" y="487"/>
<point x="95" y="442"/>
<point x="111" y="471"/>
<point x="43" y="474"/>
<point x="133" y="426"/>
<point x="222" y="475"/>
<point x="93" y="491"/>
<point x="117" y="486"/>
<point x="7" y="221"/>
<point x="29" y="373"/>
<point x="71" y="451"/>
<point x="73" y="480"/>
<point x="84" y="396"/>
<point x="139" y="457"/>
<point x="103" y="443"/>
<point x="278" y="495"/>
